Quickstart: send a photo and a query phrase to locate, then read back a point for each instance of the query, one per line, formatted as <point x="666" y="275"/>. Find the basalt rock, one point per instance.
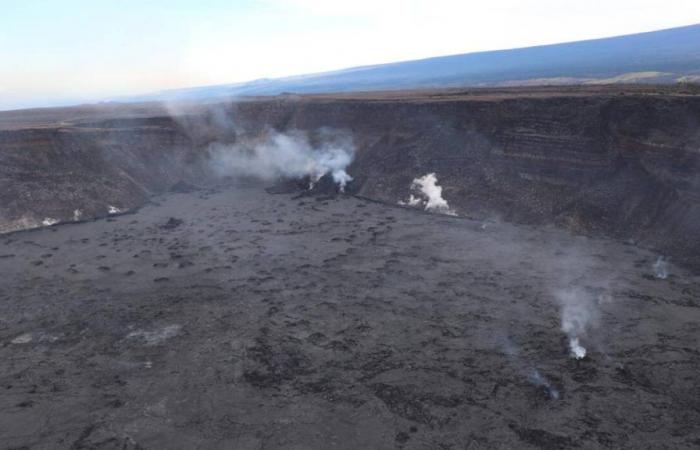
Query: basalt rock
<point x="621" y="162"/>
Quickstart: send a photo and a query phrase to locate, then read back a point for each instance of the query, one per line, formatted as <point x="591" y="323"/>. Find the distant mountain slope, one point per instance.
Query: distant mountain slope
<point x="664" y="56"/>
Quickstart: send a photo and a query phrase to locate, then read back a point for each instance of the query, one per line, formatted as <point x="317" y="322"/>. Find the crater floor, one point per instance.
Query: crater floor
<point x="234" y="318"/>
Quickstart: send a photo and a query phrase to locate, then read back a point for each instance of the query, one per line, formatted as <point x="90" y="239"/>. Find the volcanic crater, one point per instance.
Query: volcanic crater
<point x="183" y="308"/>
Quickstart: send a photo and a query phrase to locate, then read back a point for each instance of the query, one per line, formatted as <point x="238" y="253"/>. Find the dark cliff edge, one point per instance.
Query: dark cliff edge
<point x="622" y="162"/>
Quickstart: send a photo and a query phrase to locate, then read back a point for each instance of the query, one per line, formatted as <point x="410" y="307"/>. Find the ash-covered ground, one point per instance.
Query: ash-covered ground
<point x="238" y="319"/>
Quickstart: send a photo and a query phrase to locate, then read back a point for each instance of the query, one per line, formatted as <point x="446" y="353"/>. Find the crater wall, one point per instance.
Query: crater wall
<point x="611" y="161"/>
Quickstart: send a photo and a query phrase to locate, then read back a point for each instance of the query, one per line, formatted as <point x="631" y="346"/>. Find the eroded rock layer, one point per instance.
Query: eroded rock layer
<point x="620" y="162"/>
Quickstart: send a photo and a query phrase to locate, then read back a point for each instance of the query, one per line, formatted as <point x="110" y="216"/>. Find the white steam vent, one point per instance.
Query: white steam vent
<point x="539" y="380"/>
<point x="579" y="314"/>
<point x="429" y="195"/>
<point x="661" y="268"/>
<point x="47" y="222"/>
<point x="523" y="366"/>
<point x="288" y="155"/>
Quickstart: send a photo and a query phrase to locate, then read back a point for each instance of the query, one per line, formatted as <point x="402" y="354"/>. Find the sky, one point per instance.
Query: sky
<point x="67" y="51"/>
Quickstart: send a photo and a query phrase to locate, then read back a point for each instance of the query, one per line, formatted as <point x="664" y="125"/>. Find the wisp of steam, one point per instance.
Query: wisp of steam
<point x="533" y="375"/>
<point x="538" y="380"/>
<point x="429" y="195"/>
<point x="47" y="222"/>
<point x="661" y="268"/>
<point x="579" y="313"/>
<point x="288" y="155"/>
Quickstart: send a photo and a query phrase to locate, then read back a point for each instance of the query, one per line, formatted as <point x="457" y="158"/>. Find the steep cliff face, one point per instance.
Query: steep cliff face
<point x="81" y="170"/>
<point x="616" y="164"/>
<point x="603" y="161"/>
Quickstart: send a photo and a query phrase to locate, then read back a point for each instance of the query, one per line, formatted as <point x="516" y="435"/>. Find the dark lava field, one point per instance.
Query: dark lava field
<point x="233" y="318"/>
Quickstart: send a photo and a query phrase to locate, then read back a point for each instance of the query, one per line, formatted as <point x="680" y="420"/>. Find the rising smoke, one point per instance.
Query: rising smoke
<point x="661" y="268"/>
<point x="579" y="315"/>
<point x="294" y="154"/>
<point x="429" y="195"/>
<point x="48" y="221"/>
<point x="532" y="374"/>
<point x="538" y="379"/>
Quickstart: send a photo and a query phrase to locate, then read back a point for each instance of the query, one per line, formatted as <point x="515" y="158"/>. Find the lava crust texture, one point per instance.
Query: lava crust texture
<point x="236" y="318"/>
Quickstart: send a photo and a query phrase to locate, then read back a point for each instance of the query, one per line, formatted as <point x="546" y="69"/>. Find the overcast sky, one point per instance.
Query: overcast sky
<point x="57" y="51"/>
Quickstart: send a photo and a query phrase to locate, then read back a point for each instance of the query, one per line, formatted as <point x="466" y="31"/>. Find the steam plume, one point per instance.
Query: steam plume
<point x="430" y="195"/>
<point x="579" y="313"/>
<point x="287" y="155"/>
<point x="661" y="268"/>
<point x="533" y="375"/>
<point x="538" y="380"/>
